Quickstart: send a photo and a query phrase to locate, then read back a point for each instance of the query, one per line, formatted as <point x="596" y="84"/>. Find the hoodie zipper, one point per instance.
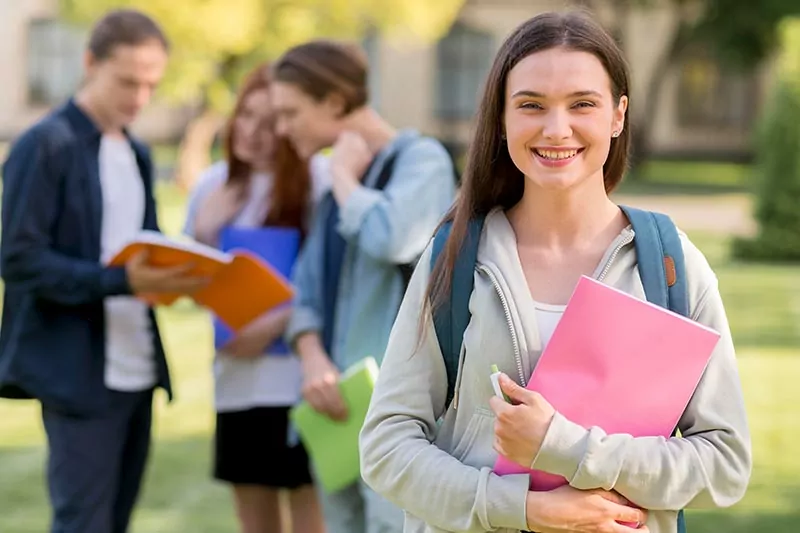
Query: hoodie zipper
<point x="624" y="242"/>
<point x="507" y="310"/>
<point x="514" y="339"/>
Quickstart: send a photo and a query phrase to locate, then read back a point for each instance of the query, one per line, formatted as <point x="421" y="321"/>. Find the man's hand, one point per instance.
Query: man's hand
<point x="320" y="378"/>
<point x="144" y="279"/>
<point x="351" y="155"/>
<point x="349" y="161"/>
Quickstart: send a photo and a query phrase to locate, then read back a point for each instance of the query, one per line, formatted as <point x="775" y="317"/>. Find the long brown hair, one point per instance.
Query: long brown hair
<point x="490" y="177"/>
<point x="291" y="188"/>
<point x="322" y="67"/>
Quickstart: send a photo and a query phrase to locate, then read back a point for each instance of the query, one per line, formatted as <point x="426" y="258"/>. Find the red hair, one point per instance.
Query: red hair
<point x="291" y="188"/>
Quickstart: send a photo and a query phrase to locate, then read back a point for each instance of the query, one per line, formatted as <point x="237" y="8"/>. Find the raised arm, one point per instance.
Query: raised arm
<point x="395" y="224"/>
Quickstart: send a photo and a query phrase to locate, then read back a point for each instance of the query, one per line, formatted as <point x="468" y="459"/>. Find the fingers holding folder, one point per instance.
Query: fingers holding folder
<point x="321" y="387"/>
<point x="147" y="280"/>
<point x="237" y="287"/>
<point x="521" y="425"/>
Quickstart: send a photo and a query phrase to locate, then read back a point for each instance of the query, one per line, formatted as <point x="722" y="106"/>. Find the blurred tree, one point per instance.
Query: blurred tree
<point x="740" y="33"/>
<point x="215" y="42"/>
<point x="778" y="163"/>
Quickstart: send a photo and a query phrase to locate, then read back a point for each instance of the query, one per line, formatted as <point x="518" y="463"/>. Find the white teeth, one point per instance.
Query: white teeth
<point x="560" y="154"/>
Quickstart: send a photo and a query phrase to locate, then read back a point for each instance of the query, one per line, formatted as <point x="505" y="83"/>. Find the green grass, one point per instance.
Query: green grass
<point x="763" y="303"/>
<point x="762" y="300"/>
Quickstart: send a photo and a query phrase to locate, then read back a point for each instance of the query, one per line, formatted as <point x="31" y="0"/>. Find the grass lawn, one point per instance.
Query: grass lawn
<point x="764" y="308"/>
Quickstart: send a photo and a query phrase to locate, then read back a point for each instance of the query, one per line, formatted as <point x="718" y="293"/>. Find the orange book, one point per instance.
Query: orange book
<point x="242" y="286"/>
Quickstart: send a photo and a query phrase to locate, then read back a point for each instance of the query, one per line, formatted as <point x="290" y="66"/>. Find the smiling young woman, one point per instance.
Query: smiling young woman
<point x="550" y="144"/>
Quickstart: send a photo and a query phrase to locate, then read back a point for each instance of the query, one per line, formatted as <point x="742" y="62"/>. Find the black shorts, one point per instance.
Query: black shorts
<point x="250" y="448"/>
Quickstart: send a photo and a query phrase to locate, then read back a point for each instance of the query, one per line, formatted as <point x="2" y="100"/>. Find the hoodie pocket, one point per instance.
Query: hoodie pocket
<point x="480" y="429"/>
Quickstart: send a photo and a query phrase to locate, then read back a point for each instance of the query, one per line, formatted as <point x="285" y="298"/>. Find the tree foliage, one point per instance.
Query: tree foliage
<point x="215" y="41"/>
<point x="778" y="162"/>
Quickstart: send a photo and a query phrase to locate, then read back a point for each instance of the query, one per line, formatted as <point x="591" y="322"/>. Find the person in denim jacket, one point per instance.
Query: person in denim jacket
<point x="348" y="284"/>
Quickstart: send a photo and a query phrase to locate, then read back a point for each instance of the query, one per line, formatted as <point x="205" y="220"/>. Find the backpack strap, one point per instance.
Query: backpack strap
<point x="450" y="320"/>
<point x="386" y="171"/>
<point x="659" y="254"/>
<point x="406" y="269"/>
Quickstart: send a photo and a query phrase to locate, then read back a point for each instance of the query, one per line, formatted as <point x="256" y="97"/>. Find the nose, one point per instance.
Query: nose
<point x="281" y="127"/>
<point x="557" y="125"/>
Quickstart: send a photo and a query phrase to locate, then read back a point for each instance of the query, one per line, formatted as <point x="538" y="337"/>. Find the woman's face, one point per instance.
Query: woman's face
<point x="309" y="124"/>
<point x="560" y="116"/>
<point x="253" y="136"/>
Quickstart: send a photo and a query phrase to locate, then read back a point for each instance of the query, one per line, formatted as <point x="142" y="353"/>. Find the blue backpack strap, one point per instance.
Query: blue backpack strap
<point x="659" y="254"/>
<point x="450" y="320"/>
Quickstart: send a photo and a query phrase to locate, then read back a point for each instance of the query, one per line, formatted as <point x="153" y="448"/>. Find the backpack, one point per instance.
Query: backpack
<point x="660" y="262"/>
<point x="406" y="269"/>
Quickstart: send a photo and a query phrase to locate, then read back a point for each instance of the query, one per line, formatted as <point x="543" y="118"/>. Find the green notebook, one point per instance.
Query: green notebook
<point x="332" y="445"/>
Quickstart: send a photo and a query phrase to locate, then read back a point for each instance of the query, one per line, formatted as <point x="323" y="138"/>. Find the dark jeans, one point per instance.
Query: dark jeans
<point x="95" y="465"/>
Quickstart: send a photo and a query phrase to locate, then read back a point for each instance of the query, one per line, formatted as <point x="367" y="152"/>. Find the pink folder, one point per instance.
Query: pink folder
<point x="618" y="363"/>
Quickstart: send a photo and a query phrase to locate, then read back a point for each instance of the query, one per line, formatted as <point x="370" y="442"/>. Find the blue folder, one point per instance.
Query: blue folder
<point x="278" y="247"/>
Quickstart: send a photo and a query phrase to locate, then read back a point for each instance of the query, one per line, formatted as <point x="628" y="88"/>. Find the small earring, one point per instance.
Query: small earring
<point x="615" y="134"/>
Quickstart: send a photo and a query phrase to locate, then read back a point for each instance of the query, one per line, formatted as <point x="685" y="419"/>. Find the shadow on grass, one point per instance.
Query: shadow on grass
<point x="178" y="495"/>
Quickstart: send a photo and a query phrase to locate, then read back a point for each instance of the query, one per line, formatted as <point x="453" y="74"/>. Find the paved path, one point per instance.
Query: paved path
<point x="719" y="213"/>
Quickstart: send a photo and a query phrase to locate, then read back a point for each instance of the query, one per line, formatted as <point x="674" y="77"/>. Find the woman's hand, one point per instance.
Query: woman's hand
<point x="252" y="339"/>
<point x="520" y="427"/>
<point x="217" y="210"/>
<point x="567" y="509"/>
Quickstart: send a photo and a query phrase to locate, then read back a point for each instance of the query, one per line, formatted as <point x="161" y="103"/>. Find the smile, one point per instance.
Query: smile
<point x="556" y="157"/>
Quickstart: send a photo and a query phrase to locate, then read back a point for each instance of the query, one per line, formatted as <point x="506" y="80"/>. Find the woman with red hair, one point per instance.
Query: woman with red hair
<point x="261" y="182"/>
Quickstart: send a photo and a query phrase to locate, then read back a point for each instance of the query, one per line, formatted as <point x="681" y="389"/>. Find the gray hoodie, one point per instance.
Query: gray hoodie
<point x="440" y="471"/>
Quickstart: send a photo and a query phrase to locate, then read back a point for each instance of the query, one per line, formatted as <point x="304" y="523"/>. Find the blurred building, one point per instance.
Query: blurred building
<point x="701" y="110"/>
<point x="41" y="61"/>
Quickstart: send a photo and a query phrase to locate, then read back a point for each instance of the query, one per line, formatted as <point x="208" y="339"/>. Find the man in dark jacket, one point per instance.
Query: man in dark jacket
<point x="76" y="187"/>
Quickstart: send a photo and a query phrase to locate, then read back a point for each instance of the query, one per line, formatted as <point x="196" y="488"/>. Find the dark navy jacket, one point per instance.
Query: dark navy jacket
<point x="52" y="338"/>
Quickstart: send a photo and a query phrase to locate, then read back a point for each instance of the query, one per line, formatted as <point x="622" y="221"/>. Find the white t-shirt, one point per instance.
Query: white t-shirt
<point x="547" y="318"/>
<point x="266" y="380"/>
<point x="130" y="362"/>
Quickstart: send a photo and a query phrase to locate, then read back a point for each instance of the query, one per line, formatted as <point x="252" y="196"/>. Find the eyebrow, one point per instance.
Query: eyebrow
<point x="534" y="94"/>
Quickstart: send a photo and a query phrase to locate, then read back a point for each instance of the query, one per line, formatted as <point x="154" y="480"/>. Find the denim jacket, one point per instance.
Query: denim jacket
<point x="382" y="229"/>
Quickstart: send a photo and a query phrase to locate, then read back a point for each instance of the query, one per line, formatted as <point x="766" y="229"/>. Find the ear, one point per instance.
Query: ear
<point x="619" y="114"/>
<point x="89" y="62"/>
<point x="335" y="103"/>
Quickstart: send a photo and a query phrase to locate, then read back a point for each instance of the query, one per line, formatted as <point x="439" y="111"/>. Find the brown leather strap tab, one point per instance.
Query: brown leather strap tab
<point x="669" y="268"/>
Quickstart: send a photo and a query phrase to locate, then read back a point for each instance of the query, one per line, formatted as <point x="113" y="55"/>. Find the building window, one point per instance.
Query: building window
<point x="464" y="57"/>
<point x="55" y="53"/>
<point x="711" y="97"/>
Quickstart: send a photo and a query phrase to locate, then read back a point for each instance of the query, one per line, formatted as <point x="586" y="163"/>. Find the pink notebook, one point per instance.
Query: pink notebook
<point x="618" y="363"/>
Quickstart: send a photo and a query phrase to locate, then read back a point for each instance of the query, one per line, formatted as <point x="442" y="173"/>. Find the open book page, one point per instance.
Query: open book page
<point x="153" y="239"/>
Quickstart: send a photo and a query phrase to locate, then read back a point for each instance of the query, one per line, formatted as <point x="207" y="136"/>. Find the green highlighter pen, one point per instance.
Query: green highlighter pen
<point x="495" y="377"/>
